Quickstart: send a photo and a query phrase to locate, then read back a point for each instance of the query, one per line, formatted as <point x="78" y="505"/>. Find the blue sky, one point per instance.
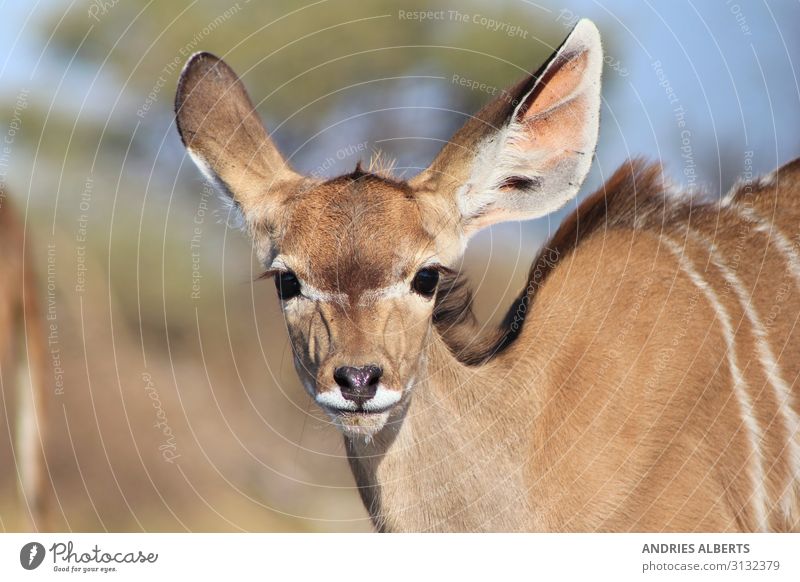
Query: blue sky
<point x="730" y="65"/>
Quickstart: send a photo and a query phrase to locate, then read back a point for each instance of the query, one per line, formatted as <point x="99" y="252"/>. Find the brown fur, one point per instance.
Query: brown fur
<point x="633" y="191"/>
<point x="22" y="339"/>
<point x="630" y="378"/>
<point x="583" y="414"/>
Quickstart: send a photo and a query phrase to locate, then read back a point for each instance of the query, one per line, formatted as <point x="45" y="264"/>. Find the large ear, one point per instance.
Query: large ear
<point x="527" y="152"/>
<point x="224" y="135"/>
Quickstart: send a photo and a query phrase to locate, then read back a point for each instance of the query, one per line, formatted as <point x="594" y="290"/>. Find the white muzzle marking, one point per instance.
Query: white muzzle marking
<point x="384" y="398"/>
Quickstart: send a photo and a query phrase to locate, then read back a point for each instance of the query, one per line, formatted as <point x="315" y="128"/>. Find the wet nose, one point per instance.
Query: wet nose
<point x="358" y="384"/>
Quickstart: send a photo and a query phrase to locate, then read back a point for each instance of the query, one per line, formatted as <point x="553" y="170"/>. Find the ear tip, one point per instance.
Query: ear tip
<point x="587" y="33"/>
<point x="587" y="25"/>
<point x="198" y="62"/>
<point x="197" y="68"/>
<point x="202" y="56"/>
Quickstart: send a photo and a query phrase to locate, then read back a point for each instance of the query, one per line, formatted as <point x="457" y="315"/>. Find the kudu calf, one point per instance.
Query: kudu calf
<point x="23" y="364"/>
<point x="645" y="379"/>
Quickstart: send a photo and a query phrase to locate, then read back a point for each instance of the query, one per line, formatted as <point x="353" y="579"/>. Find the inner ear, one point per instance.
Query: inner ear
<point x="527" y="152"/>
<point x="560" y="110"/>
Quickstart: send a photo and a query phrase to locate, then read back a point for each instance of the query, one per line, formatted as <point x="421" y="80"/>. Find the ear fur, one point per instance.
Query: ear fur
<point x="225" y="138"/>
<point x="527" y="152"/>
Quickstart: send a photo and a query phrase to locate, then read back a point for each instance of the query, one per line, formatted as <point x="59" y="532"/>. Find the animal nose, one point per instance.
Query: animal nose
<point x="358" y="384"/>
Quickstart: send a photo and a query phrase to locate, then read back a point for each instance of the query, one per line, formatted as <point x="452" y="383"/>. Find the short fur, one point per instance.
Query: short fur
<point x="635" y="190"/>
<point x="645" y="379"/>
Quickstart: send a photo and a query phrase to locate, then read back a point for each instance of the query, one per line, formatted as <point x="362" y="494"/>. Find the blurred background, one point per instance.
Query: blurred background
<point x="174" y="404"/>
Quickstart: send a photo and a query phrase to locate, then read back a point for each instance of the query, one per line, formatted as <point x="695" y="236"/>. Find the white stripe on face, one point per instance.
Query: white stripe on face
<point x="384" y="398"/>
<point x="334" y="399"/>
<point x="395" y="290"/>
<point x="309" y="291"/>
<point x="370" y="296"/>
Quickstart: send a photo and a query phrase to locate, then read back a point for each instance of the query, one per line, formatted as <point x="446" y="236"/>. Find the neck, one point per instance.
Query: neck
<point x="433" y="458"/>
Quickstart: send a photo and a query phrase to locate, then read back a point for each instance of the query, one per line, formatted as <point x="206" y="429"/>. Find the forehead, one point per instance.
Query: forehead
<point x="358" y="231"/>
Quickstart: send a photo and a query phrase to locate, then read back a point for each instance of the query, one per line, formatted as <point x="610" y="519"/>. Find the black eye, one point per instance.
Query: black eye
<point x="287" y="284"/>
<point x="425" y="282"/>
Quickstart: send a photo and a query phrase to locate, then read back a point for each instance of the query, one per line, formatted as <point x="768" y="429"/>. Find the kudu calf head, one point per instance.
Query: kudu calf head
<point x="357" y="259"/>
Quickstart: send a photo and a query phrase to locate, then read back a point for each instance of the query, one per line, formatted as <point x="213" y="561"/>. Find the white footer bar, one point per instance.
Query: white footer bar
<point x="333" y="557"/>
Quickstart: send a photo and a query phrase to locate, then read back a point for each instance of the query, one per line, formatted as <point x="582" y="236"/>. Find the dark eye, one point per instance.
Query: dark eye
<point x="287" y="284"/>
<point x="425" y="282"/>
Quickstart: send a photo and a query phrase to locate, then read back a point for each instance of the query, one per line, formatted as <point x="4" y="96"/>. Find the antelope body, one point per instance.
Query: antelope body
<point x="23" y="365"/>
<point x="645" y="379"/>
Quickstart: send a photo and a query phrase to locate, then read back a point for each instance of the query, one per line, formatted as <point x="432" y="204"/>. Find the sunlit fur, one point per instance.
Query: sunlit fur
<point x="646" y="378"/>
<point x="365" y="311"/>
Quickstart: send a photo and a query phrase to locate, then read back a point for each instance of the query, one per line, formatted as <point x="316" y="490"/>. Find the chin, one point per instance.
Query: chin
<point x="360" y="424"/>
